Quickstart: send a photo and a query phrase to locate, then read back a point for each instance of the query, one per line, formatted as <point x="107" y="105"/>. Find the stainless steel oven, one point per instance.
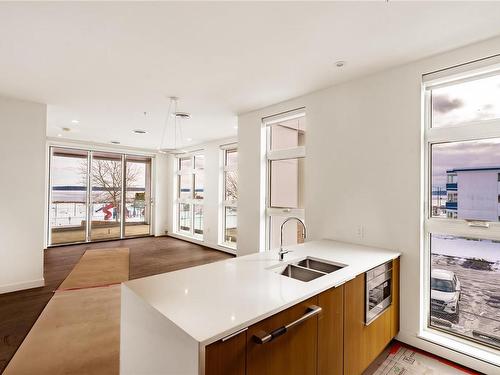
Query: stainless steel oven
<point x="378" y="291"/>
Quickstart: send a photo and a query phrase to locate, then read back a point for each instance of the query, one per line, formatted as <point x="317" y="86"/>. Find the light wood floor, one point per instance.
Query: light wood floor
<point x="148" y="256"/>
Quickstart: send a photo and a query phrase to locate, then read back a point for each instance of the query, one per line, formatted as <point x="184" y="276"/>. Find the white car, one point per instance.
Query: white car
<point x="445" y="294"/>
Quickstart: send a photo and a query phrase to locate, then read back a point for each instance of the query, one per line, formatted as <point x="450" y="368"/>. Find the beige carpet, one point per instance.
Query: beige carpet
<point x="78" y="332"/>
<point x="99" y="267"/>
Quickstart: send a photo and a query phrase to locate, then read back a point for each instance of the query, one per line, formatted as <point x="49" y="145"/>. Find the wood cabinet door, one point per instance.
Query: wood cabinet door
<point x="227" y="357"/>
<point x="292" y="353"/>
<point x="362" y="344"/>
<point x="331" y="332"/>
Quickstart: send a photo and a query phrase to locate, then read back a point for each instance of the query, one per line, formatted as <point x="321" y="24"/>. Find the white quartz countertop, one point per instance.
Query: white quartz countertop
<point x="214" y="300"/>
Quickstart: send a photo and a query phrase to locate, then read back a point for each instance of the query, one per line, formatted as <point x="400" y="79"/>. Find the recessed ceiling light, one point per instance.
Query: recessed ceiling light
<point x="340" y="63"/>
<point x="59" y="135"/>
<point x="139" y="131"/>
<point x="75" y="121"/>
<point x="189" y="139"/>
<point x="235" y="126"/>
<point x="115" y="142"/>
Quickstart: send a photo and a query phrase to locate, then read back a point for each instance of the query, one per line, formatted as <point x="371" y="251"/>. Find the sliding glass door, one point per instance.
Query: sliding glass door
<point x="98" y="196"/>
<point x="68" y="196"/>
<point x="137" y="196"/>
<point x="106" y="198"/>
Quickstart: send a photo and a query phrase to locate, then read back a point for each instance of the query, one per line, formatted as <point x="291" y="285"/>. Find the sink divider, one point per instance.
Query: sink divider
<point x="308" y="269"/>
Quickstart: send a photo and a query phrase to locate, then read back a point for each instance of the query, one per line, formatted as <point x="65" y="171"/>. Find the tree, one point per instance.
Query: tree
<point x="106" y="180"/>
<point x="231" y="185"/>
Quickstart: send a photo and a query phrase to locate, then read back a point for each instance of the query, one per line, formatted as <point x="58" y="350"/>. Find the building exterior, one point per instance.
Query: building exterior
<point x="473" y="193"/>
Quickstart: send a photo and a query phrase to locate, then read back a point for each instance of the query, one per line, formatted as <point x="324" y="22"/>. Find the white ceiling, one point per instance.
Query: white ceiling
<point x="105" y="64"/>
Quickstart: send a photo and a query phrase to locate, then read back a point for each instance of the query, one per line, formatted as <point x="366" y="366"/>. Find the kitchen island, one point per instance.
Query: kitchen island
<point x="174" y="322"/>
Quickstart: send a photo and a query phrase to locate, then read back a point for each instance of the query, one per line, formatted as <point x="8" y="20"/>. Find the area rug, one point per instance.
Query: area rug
<point x="409" y="361"/>
<point x="77" y="333"/>
<point x="97" y="268"/>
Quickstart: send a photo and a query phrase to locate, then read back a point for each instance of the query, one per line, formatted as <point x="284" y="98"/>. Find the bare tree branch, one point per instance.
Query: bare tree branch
<point x="106" y="180"/>
<point x="231" y="185"/>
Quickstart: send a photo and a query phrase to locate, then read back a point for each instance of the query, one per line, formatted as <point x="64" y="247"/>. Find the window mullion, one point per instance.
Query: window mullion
<point x="475" y="131"/>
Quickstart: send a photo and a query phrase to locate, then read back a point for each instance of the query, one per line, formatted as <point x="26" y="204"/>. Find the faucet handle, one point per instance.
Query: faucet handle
<point x="282" y="253"/>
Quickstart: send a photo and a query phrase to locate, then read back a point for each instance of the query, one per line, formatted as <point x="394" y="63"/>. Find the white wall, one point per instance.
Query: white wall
<point x="213" y="194"/>
<point x="162" y="188"/>
<point x="363" y="167"/>
<point x="22" y="192"/>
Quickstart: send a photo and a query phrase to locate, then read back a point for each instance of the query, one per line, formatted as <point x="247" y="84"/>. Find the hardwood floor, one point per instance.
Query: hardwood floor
<point x="148" y="256"/>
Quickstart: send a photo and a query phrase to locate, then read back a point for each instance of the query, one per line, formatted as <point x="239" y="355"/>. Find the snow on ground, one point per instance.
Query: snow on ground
<point x="480" y="298"/>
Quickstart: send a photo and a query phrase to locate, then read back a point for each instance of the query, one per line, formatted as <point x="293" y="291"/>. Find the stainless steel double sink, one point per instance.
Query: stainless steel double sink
<point x="307" y="269"/>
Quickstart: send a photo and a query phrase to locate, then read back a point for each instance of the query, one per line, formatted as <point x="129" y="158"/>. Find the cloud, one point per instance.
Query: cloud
<point x="443" y="103"/>
<point x="468" y="154"/>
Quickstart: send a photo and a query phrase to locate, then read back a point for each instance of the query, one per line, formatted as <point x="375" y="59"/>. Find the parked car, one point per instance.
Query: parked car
<point x="445" y="294"/>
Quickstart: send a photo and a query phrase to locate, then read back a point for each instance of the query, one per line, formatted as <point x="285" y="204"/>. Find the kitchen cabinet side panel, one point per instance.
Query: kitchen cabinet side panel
<point x="152" y="344"/>
<point x="395" y="297"/>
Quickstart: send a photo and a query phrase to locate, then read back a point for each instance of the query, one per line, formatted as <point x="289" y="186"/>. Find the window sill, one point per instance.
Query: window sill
<point x="188" y="236"/>
<point x="226" y="246"/>
<point x="487" y="355"/>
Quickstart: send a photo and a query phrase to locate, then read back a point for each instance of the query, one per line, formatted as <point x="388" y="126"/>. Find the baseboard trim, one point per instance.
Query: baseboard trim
<point x="21" y="286"/>
<point x="201" y="243"/>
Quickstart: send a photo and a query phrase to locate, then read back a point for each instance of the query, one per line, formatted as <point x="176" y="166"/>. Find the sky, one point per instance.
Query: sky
<point x="465" y="102"/>
<point x="476" y="100"/>
<point x="67" y="171"/>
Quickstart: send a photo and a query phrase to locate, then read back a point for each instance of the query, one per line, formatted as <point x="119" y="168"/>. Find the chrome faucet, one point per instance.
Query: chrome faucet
<point x="282" y="252"/>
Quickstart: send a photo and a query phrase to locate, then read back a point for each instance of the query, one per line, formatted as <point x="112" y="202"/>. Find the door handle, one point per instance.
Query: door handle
<point x="268" y="337"/>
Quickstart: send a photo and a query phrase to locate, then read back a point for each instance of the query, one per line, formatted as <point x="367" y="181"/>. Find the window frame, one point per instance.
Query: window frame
<point x="191" y="201"/>
<point x="226" y="203"/>
<point x="474" y="229"/>
<point x="298" y="152"/>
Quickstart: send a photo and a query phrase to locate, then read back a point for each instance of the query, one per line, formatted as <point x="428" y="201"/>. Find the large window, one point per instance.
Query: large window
<point x="285" y="175"/>
<point x="230" y="197"/>
<point x="462" y="210"/>
<point x="86" y="195"/>
<point x="190" y="193"/>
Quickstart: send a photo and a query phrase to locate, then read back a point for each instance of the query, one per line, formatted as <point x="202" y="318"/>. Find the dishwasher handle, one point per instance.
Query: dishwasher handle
<point x="268" y="337"/>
